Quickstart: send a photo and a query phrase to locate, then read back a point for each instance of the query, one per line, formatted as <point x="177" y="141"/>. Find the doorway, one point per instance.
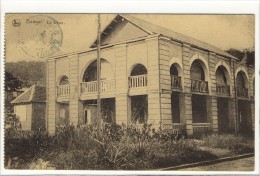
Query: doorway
<point x="223" y="114"/>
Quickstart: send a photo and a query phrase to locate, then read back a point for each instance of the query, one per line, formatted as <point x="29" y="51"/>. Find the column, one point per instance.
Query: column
<point x="51" y="96"/>
<point x="74" y="103"/>
<point x="212" y="112"/>
<point x="154" y="109"/>
<point x="187" y="106"/>
<point x="122" y="99"/>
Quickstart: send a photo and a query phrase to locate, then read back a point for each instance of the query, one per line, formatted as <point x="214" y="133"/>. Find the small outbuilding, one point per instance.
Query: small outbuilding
<point x="30" y="107"/>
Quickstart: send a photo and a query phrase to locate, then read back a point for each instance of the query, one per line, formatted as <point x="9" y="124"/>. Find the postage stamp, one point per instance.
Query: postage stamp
<point x="106" y="92"/>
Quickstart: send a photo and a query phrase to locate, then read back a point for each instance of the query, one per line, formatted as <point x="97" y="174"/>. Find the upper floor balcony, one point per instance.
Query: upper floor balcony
<point x="138" y="81"/>
<point x="92" y="86"/>
<point x="176" y="82"/>
<point x="223" y="89"/>
<point x="242" y="92"/>
<point x="199" y="86"/>
<point x="63" y="89"/>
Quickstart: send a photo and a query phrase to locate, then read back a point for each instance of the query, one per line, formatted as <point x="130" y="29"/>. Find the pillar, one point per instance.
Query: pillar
<point x="51" y="96"/>
<point x="121" y="77"/>
<point x="165" y="82"/>
<point x="188" y="112"/>
<point x="232" y="114"/>
<point x="74" y="102"/>
<point x="153" y="87"/>
<point x="212" y="112"/>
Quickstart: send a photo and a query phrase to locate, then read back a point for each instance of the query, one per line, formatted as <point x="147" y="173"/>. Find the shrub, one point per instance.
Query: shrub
<point x="224" y="140"/>
<point x="179" y="152"/>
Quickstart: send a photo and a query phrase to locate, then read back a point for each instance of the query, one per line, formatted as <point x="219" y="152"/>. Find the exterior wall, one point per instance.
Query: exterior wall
<point x="157" y="55"/>
<point x="171" y="52"/>
<point x="38" y="116"/>
<point x="74" y="104"/>
<point x="121" y="76"/>
<point x="24" y="112"/>
<point x="51" y="96"/>
<point x="154" y="109"/>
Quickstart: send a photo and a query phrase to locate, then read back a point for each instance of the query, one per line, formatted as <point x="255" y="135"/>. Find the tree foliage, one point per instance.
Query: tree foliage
<point x="12" y="83"/>
<point x="29" y="72"/>
<point x="241" y="54"/>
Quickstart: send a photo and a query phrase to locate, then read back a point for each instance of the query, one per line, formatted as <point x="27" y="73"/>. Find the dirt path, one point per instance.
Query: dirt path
<point x="245" y="164"/>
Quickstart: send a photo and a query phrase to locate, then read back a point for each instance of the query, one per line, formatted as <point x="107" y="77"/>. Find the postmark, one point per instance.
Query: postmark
<point x="39" y="36"/>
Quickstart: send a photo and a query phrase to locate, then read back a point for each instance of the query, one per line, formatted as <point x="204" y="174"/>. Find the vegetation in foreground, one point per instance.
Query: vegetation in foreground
<point x="116" y="147"/>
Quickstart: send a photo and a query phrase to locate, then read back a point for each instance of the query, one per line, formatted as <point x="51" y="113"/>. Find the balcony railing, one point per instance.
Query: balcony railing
<point x="63" y="90"/>
<point x="92" y="86"/>
<point x="223" y="89"/>
<point x="199" y="86"/>
<point x="174" y="128"/>
<point x="138" y="81"/>
<point x="199" y="128"/>
<point x="242" y="92"/>
<point x="176" y="82"/>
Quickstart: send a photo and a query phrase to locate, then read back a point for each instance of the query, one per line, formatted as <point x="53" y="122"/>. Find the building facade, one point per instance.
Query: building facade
<point x="30" y="108"/>
<point x="154" y="75"/>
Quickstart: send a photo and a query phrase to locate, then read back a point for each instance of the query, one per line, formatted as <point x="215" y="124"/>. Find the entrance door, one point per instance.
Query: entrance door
<point x="244" y="116"/>
<point x="90" y="114"/>
<point x="223" y="121"/>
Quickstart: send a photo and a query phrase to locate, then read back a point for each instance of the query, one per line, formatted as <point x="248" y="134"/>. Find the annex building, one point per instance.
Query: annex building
<point x="154" y="75"/>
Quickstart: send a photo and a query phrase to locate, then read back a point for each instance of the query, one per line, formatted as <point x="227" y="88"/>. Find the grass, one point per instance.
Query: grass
<point x="118" y="148"/>
<point x="236" y="144"/>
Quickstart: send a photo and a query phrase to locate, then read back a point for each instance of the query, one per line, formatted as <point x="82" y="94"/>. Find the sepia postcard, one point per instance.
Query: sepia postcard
<point x="129" y="93"/>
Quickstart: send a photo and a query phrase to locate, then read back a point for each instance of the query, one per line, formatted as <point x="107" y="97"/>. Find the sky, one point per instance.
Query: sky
<point x="79" y="31"/>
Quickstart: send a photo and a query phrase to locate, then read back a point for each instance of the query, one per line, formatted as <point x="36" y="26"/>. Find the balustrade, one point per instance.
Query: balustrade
<point x="138" y="81"/>
<point x="63" y="90"/>
<point x="176" y="82"/>
<point x="199" y="86"/>
<point x="242" y="92"/>
<point x="199" y="128"/>
<point x="92" y="86"/>
<point x="223" y="89"/>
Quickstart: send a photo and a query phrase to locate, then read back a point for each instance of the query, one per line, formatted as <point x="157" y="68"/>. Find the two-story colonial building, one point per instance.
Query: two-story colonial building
<point x="154" y="75"/>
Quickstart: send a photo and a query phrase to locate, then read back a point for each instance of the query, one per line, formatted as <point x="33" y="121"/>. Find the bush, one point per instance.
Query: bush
<point x="224" y="140"/>
<point x="237" y="144"/>
<point x="179" y="152"/>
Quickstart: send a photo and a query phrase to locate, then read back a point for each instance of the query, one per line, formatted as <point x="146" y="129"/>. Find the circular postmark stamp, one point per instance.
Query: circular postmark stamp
<point x="40" y="36"/>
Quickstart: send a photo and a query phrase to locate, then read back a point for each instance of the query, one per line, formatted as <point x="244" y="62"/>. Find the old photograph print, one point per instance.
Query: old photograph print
<point x="129" y="92"/>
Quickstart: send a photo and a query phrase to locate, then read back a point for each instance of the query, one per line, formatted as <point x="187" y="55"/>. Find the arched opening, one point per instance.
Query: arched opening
<point x="223" y="81"/>
<point x="64" y="80"/>
<point x="138" y="69"/>
<point x="89" y="79"/>
<point x="90" y="73"/>
<point x="243" y="104"/>
<point x="175" y="73"/>
<point x="198" y="78"/>
<point x="138" y="76"/>
<point x="223" y="88"/>
<point x="199" y="84"/>
<point x="63" y="88"/>
<point x="197" y="71"/>
<point x="242" y="85"/>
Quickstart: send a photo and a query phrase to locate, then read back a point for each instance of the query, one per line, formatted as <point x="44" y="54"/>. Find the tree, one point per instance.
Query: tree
<point x="237" y="53"/>
<point x="250" y="54"/>
<point x="12" y="83"/>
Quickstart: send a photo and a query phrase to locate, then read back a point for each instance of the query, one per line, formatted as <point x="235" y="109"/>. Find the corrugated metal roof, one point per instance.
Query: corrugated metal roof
<point x="155" y="29"/>
<point x="34" y="94"/>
